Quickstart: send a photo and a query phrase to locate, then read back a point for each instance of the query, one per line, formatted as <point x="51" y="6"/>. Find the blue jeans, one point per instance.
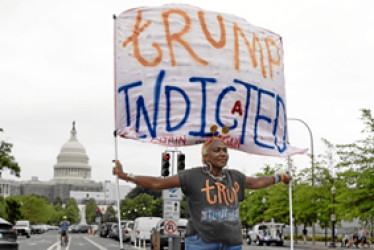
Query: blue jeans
<point x="195" y="242"/>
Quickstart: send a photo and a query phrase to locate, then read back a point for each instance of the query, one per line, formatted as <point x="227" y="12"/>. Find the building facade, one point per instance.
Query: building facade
<point x="71" y="178"/>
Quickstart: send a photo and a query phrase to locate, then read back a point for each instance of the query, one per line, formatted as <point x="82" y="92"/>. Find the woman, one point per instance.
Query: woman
<point x="213" y="195"/>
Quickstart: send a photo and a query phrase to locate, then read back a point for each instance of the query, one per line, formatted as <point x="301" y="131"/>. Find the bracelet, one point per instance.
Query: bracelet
<point x="277" y="178"/>
<point x="131" y="177"/>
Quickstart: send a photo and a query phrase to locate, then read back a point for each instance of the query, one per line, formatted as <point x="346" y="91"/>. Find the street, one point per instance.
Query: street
<point x="50" y="241"/>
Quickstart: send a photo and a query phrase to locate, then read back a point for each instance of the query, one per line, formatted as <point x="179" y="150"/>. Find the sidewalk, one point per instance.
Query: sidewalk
<point x="309" y="245"/>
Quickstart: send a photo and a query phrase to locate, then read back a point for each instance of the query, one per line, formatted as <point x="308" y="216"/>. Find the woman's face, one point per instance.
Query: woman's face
<point x="217" y="154"/>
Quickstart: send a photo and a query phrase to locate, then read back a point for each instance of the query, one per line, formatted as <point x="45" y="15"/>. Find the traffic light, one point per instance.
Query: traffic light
<point x="165" y="164"/>
<point x="181" y="162"/>
<point x="98" y="212"/>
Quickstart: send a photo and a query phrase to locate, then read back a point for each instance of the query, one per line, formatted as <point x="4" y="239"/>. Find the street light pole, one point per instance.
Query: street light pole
<point x="333" y="218"/>
<point x="312" y="163"/>
<point x="263" y="208"/>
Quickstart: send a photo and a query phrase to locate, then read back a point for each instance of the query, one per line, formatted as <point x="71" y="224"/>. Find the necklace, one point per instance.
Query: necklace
<point x="216" y="178"/>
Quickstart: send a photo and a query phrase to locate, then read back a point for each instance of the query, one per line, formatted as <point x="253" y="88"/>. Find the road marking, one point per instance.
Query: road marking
<point x="57" y="244"/>
<point x="95" y="244"/>
<point x="54" y="245"/>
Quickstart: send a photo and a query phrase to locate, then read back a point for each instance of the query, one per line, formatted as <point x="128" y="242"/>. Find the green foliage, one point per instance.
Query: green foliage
<point x="110" y="215"/>
<point x="141" y="205"/>
<point x="141" y="190"/>
<point x="2" y="208"/>
<point x="72" y="211"/>
<point x="13" y="209"/>
<point x="251" y="208"/>
<point x="34" y="208"/>
<point x="57" y="214"/>
<point x="157" y="205"/>
<point x="91" y="207"/>
<point x="356" y="176"/>
<point x="6" y="159"/>
<point x="277" y="203"/>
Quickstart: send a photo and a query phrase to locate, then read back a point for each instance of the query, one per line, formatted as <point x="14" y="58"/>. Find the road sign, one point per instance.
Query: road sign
<point x="174" y="194"/>
<point x="171" y="227"/>
<point x="171" y="210"/>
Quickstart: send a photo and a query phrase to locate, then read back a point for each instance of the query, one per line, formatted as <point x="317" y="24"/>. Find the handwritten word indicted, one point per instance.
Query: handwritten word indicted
<point x="183" y="74"/>
<point x="262" y="50"/>
<point x="220" y="214"/>
<point x="245" y="114"/>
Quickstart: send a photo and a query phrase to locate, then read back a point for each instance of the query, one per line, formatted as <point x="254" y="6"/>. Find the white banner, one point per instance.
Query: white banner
<point x="184" y="74"/>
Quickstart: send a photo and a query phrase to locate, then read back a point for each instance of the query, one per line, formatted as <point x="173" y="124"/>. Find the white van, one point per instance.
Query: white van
<point x="143" y="228"/>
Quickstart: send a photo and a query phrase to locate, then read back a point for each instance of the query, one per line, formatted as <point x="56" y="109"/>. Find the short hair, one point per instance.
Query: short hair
<point x="204" y="149"/>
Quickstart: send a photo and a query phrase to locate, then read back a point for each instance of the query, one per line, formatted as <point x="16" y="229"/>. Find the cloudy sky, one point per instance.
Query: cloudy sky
<point x="56" y="67"/>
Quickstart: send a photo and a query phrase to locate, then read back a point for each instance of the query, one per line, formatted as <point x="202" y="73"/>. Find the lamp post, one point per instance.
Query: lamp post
<point x="312" y="163"/>
<point x="263" y="208"/>
<point x="333" y="218"/>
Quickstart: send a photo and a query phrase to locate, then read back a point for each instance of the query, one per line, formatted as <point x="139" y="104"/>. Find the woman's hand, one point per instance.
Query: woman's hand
<point x="117" y="170"/>
<point x="287" y="178"/>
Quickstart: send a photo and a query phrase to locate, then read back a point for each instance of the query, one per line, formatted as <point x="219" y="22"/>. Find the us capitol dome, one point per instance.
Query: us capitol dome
<point x="71" y="179"/>
<point x="72" y="161"/>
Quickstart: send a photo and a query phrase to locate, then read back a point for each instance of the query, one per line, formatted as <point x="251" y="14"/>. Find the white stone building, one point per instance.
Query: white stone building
<point x="71" y="178"/>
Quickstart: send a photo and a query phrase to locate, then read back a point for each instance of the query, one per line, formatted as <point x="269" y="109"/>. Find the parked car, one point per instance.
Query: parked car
<point x="74" y="229"/>
<point x="36" y="229"/>
<point x="143" y="228"/>
<point x="126" y="231"/>
<point x="8" y="239"/>
<point x="83" y="228"/>
<point x="115" y="230"/>
<point x="105" y="229"/>
<point x="266" y="232"/>
<point x="22" y="227"/>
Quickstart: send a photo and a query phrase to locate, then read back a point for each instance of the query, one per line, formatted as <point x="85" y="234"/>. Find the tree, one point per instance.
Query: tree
<point x="2" y="208"/>
<point x="57" y="200"/>
<point x="72" y="211"/>
<point x="57" y="214"/>
<point x="356" y="176"/>
<point x="91" y="207"/>
<point x="6" y="159"/>
<point x="142" y="190"/>
<point x="13" y="209"/>
<point x="252" y="209"/>
<point x="110" y="215"/>
<point x="35" y="209"/>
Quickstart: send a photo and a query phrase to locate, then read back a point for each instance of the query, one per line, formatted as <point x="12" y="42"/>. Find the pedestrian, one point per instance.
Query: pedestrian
<point x="365" y="240"/>
<point x="212" y="193"/>
<point x="345" y="240"/>
<point x="354" y="241"/>
<point x="305" y="234"/>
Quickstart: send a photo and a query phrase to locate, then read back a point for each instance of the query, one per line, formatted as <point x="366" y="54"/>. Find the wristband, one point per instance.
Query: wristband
<point x="283" y="177"/>
<point x="131" y="177"/>
<point x="277" y="178"/>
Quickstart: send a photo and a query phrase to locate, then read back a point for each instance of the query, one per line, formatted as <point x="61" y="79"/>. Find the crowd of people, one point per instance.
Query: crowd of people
<point x="361" y="238"/>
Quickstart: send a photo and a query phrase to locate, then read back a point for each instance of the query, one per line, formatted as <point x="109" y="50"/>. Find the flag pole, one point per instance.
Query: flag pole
<point x="116" y="141"/>
<point x="118" y="194"/>
<point x="290" y="202"/>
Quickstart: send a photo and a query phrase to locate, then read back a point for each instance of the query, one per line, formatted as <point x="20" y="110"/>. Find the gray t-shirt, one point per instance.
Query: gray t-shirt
<point x="213" y="205"/>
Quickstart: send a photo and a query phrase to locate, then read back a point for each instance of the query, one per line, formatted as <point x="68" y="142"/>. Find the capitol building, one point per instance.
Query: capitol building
<point x="71" y="179"/>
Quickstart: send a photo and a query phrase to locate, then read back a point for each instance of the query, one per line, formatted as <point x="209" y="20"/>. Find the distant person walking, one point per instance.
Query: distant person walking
<point x="213" y="195"/>
<point x="305" y="234"/>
